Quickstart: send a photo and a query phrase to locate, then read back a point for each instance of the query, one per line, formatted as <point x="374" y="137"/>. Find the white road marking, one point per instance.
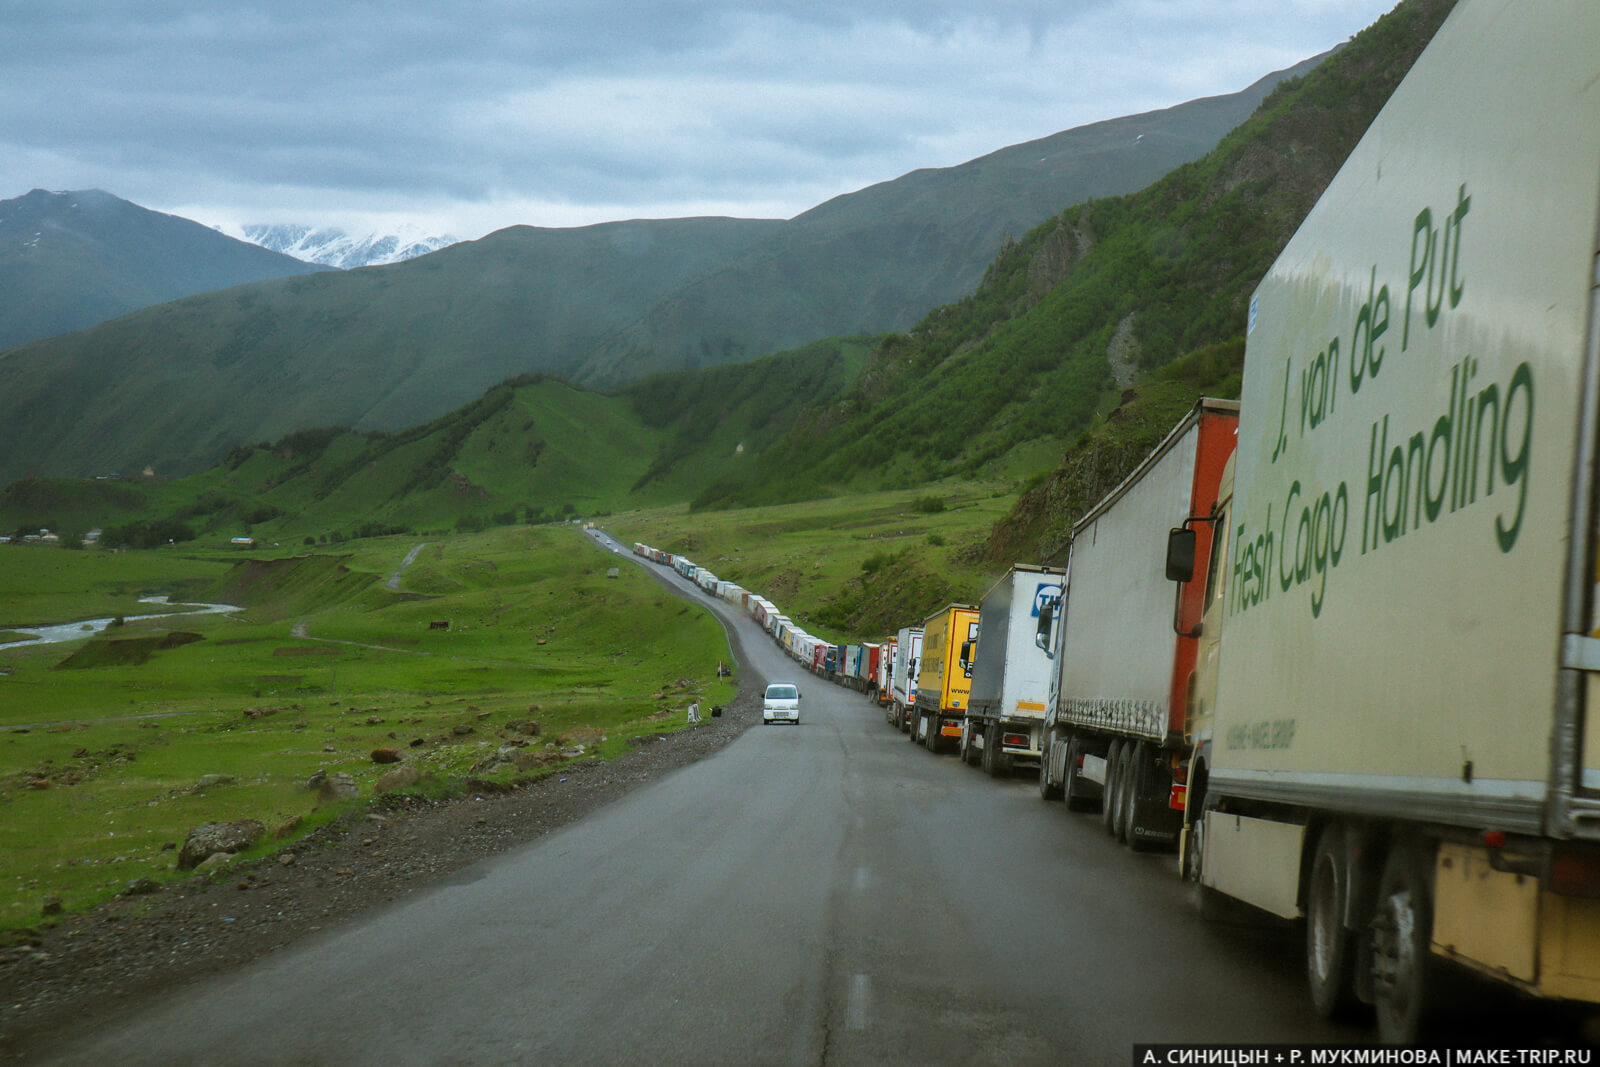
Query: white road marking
<point x="856" y="1008"/>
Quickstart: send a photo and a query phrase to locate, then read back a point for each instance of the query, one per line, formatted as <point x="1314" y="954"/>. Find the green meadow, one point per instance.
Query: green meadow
<point x="112" y="747"/>
<point x="847" y="568"/>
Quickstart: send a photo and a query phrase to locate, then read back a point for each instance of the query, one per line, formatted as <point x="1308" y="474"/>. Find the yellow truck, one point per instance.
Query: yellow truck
<point x="1400" y="650"/>
<point x="944" y="680"/>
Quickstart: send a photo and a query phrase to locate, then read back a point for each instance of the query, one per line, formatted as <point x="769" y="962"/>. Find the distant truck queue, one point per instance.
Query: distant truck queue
<point x="1335" y="645"/>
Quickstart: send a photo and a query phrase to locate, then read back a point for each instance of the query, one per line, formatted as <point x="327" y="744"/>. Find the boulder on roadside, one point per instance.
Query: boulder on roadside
<point x="337" y="787"/>
<point x="403" y="778"/>
<point x="213" y="838"/>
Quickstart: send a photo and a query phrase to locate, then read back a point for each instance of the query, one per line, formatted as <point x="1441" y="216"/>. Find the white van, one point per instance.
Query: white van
<point x="781" y="704"/>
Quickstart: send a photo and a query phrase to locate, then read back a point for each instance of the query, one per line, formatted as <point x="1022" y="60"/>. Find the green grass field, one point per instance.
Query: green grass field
<point x="828" y="563"/>
<point x="113" y="747"/>
<point x="106" y="745"/>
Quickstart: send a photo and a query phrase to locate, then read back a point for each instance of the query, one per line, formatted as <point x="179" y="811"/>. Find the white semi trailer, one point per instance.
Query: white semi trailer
<point x="1011" y="669"/>
<point x="1401" y="653"/>
<point x="1115" y="734"/>
<point x="903" y="677"/>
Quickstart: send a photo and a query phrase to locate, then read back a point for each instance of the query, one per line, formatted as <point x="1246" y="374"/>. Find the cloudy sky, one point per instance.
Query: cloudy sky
<point x="463" y="117"/>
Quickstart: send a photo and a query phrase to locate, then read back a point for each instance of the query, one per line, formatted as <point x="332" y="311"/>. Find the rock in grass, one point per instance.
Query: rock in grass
<point x="403" y="778"/>
<point x="140" y="886"/>
<point x="386" y="754"/>
<point x="212" y="838"/>
<point x="337" y="787"/>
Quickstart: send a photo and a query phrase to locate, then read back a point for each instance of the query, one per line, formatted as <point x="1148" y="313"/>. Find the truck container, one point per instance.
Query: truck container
<point x="1012" y="669"/>
<point x="945" y="678"/>
<point x="884" y="669"/>
<point x="871" y="657"/>
<point x="903" y="678"/>
<point x="1115" y="727"/>
<point x="1401" y="630"/>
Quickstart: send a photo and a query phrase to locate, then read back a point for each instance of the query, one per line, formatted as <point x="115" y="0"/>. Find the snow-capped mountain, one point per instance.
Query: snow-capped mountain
<point x="335" y="248"/>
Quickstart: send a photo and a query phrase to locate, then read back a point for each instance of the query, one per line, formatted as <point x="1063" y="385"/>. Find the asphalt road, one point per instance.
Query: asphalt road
<point x="820" y="893"/>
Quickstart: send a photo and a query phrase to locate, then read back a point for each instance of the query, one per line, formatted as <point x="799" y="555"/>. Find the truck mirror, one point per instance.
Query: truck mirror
<point x="1041" y="636"/>
<point x="1180" y="554"/>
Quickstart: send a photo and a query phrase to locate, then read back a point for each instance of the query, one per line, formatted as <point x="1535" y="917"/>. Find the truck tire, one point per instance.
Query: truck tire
<point x="1330" y="948"/>
<point x="930" y="733"/>
<point x="991" y="751"/>
<point x="1402" y="926"/>
<point x="1128" y="765"/>
<point x="1075" y="786"/>
<point x="913" y="720"/>
<point x="1048" y="790"/>
<point x="1110" y="811"/>
<point x="969" y="755"/>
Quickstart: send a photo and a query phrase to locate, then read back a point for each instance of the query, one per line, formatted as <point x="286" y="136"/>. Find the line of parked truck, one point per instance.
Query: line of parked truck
<point x="1337" y="644"/>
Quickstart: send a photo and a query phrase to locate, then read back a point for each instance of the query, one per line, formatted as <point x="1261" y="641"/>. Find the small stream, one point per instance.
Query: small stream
<point x="72" y="631"/>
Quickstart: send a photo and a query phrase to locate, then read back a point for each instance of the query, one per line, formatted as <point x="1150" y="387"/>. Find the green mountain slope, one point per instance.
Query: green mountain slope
<point x="178" y="385"/>
<point x="1071" y="316"/>
<point x="528" y="449"/>
<point x="72" y="260"/>
<point x="878" y="259"/>
<point x="385" y="348"/>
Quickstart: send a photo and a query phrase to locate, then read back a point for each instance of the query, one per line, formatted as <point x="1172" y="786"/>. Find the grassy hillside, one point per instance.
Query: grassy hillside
<point x="1079" y="309"/>
<point x="847" y="568"/>
<point x="877" y="259"/>
<point x="72" y="260"/>
<point x="386" y="348"/>
<point x="527" y="450"/>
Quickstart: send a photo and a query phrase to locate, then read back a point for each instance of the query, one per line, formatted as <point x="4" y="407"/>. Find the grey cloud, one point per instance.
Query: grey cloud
<point x="574" y="102"/>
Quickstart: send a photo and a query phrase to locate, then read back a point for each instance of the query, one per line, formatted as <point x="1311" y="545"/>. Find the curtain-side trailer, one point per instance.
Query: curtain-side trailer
<point x="1402" y="651"/>
<point x="945" y="679"/>
<point x="1012" y="668"/>
<point x="903" y="677"/>
<point x="1115" y="726"/>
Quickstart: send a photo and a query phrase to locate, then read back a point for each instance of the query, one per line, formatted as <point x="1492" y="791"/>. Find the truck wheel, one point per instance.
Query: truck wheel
<point x="991" y="749"/>
<point x="1127" y="790"/>
<point x="1047" y="789"/>
<point x="1110" y="812"/>
<point x="1330" y="947"/>
<point x="930" y="733"/>
<point x="1402" y="925"/>
<point x="969" y="755"/>
<point x="1074" y="785"/>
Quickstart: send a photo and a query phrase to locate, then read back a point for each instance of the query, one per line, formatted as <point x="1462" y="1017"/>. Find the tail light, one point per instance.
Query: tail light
<point x="1575" y="874"/>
